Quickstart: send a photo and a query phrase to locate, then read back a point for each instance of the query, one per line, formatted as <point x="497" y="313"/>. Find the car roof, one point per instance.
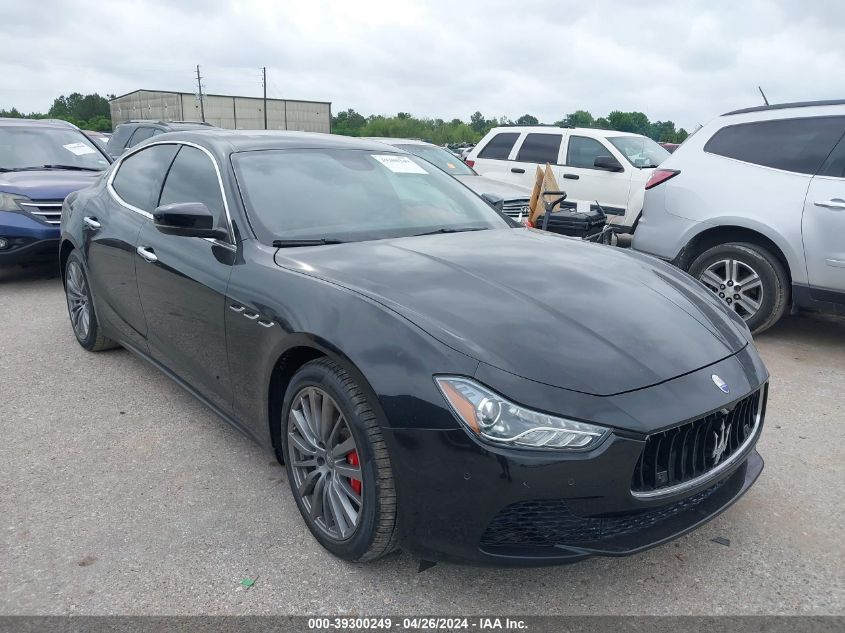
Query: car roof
<point x="784" y="106"/>
<point x="48" y="123"/>
<point x="545" y="129"/>
<point x="173" y="125"/>
<point x="398" y="141"/>
<point x="247" y="140"/>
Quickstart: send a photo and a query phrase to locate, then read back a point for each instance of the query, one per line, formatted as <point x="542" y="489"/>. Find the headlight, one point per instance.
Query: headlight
<point x="9" y="201"/>
<point x="494" y="418"/>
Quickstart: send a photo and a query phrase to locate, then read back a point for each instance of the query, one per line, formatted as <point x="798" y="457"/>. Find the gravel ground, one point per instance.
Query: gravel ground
<point x="121" y="494"/>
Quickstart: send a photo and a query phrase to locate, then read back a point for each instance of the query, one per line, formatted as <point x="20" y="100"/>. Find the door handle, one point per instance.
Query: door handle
<point x="517" y="170"/>
<point x="147" y="253"/>
<point x="571" y="176"/>
<point x="835" y="204"/>
<point x="91" y="223"/>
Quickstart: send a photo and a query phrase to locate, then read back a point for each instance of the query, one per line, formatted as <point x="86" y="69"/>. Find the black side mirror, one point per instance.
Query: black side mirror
<point x="188" y="219"/>
<point x="607" y="163"/>
<point x="497" y="202"/>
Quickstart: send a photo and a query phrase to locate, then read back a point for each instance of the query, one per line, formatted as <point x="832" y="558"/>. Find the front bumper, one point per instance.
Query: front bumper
<point x="464" y="501"/>
<point x="28" y="239"/>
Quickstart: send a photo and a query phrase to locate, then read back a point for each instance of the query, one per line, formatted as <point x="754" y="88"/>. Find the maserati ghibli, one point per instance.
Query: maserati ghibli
<point x="434" y="376"/>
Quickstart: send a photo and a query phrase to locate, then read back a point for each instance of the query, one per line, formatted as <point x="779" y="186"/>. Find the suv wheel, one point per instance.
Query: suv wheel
<point x="748" y="278"/>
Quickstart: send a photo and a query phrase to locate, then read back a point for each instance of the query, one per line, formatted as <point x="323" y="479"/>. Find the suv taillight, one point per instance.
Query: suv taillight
<point x="469" y="162"/>
<point x="659" y="176"/>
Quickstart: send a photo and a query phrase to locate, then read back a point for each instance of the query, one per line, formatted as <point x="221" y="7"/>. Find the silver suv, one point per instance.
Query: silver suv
<point x="753" y="205"/>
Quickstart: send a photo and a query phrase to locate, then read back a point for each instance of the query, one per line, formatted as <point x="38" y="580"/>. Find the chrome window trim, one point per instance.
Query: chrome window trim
<point x="119" y="163"/>
<point x="713" y="474"/>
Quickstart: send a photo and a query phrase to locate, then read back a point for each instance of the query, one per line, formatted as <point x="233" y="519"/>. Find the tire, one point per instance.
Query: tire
<point x="83" y="319"/>
<point x="735" y="264"/>
<point x="374" y="533"/>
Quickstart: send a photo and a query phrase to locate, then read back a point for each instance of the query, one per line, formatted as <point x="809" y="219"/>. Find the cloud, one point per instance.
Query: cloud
<point x="685" y="61"/>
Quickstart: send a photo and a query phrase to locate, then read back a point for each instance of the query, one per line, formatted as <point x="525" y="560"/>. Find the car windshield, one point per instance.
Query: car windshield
<point x="640" y="151"/>
<point x="353" y="195"/>
<point x="24" y="147"/>
<point x="439" y="157"/>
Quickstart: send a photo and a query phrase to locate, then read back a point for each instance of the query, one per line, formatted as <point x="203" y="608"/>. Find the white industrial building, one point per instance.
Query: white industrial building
<point x="226" y="111"/>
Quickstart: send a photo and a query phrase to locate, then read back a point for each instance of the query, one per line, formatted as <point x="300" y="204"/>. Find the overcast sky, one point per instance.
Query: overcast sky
<point x="684" y="61"/>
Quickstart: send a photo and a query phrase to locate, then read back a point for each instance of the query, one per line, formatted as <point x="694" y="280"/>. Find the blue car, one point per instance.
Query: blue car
<point x="41" y="162"/>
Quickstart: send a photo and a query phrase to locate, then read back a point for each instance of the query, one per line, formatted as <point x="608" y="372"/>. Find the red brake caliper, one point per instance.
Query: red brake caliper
<point x="355" y="484"/>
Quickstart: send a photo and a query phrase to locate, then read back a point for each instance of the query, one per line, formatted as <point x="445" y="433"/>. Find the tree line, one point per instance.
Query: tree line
<point x="456" y="132"/>
<point x="88" y="112"/>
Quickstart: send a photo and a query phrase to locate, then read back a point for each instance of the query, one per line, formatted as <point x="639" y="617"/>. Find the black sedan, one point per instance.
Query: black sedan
<point x="432" y="375"/>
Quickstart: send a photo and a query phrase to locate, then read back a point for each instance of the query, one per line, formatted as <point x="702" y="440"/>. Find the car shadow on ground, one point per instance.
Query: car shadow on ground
<point x="38" y="271"/>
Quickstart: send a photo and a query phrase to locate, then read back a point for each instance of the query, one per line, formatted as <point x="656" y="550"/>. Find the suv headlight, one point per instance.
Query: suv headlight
<point x="9" y="201"/>
<point x="496" y="419"/>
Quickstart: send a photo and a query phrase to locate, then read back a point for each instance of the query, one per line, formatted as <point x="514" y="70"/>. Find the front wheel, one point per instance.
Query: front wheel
<point x="80" y="307"/>
<point x="748" y="279"/>
<point x="337" y="463"/>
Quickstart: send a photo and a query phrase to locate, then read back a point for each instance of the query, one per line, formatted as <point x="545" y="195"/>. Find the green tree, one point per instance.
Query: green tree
<point x="579" y="118"/>
<point x="527" y="119"/>
<point x="348" y="123"/>
<point x="478" y="123"/>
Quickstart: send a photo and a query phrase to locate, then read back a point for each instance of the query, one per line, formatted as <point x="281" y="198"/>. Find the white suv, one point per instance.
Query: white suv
<point x="602" y="166"/>
<point x="753" y="205"/>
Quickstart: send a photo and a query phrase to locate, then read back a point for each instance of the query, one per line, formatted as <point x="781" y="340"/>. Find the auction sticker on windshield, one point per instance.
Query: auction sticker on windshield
<point x="79" y="149"/>
<point x="399" y="164"/>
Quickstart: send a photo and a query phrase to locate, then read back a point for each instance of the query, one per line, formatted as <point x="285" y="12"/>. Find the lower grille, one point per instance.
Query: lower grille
<point x="48" y="211"/>
<point x="515" y="206"/>
<point x="548" y="523"/>
<point x="692" y="450"/>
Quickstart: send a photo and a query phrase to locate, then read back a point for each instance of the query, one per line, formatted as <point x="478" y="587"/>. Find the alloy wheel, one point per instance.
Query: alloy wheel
<point x="737" y="284"/>
<point x="79" y="306"/>
<point x="325" y="464"/>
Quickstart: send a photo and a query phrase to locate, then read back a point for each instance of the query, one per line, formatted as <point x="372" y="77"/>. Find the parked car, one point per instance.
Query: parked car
<point x="670" y="147"/>
<point x="514" y="197"/>
<point x="753" y="205"/>
<point x="100" y="137"/>
<point x="40" y="163"/>
<point x="131" y="133"/>
<point x="592" y="166"/>
<point x="431" y="375"/>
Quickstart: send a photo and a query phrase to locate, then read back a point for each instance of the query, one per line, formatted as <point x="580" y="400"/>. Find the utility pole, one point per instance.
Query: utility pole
<point x="264" y="83"/>
<point x="199" y="89"/>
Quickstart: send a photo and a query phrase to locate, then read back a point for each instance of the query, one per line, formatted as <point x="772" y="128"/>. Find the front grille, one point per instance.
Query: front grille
<point x="690" y="451"/>
<point x="515" y="206"/>
<point x="48" y="211"/>
<point x="539" y="524"/>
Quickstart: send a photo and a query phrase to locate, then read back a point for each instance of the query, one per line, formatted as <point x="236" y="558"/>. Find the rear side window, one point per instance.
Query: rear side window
<point x="500" y="146"/>
<point x="835" y="163"/>
<point x="540" y="148"/>
<point x="141" y="134"/>
<point x="192" y="178"/>
<point x="797" y="145"/>
<point x="583" y="151"/>
<point x="139" y="177"/>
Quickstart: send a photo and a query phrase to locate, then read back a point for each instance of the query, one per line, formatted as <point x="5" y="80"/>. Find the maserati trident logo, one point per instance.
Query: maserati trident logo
<point x="721" y="384"/>
<point x="721" y="437"/>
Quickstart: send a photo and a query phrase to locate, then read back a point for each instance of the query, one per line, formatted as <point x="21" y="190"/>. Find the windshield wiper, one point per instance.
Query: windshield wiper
<point x="70" y="167"/>
<point x="317" y="242"/>
<point x="450" y="230"/>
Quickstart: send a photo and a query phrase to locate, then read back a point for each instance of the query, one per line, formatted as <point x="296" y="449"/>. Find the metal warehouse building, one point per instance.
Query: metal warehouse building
<point x="226" y="111"/>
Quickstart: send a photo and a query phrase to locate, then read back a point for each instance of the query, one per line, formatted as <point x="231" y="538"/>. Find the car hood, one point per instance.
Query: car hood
<point x="570" y="314"/>
<point x="506" y="190"/>
<point x="49" y="184"/>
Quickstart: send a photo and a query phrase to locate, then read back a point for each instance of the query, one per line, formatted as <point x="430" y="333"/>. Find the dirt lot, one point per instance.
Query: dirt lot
<point x="119" y="493"/>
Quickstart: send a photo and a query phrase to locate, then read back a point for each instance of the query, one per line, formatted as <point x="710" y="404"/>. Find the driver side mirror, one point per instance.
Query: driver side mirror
<point x="608" y="163"/>
<point x="188" y="219"/>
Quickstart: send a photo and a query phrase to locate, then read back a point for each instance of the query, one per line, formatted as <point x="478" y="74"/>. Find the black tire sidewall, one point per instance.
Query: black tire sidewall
<point x="93" y="327"/>
<point x="772" y="277"/>
<point x="320" y="375"/>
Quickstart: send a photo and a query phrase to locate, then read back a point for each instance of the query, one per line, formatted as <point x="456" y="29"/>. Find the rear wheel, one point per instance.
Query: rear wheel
<point x="80" y="307"/>
<point x="337" y="462"/>
<point x="748" y="279"/>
